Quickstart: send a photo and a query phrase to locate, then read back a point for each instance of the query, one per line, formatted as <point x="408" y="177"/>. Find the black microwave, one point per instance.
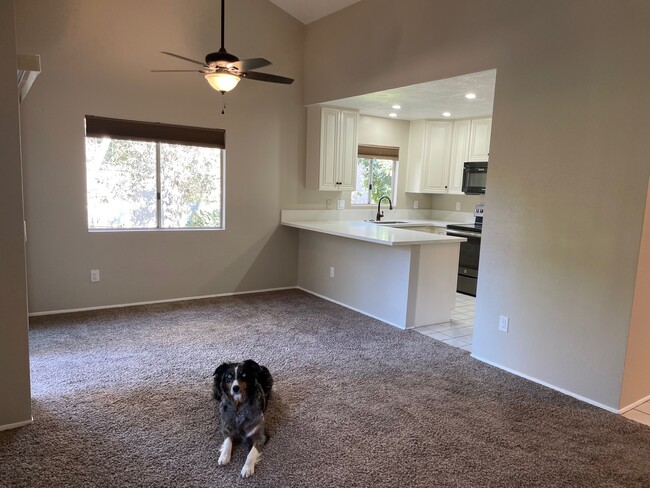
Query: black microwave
<point x="474" y="178"/>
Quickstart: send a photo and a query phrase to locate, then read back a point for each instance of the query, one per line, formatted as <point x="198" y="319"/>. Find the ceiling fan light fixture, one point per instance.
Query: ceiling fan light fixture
<point x="223" y="82"/>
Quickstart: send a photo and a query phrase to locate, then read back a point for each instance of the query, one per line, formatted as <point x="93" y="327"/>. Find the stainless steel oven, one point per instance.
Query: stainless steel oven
<point x="470" y="252"/>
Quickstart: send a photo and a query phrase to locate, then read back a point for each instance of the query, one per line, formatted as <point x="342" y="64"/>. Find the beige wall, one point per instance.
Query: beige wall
<point x="568" y="161"/>
<point x="96" y="58"/>
<point x="15" y="407"/>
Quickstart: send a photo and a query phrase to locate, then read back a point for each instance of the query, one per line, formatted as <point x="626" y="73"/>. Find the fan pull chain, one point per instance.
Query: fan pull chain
<point x="223" y="100"/>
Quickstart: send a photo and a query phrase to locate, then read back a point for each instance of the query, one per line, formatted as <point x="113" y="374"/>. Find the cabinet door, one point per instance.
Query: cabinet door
<point x="459" y="153"/>
<point x="329" y="150"/>
<point x="479" y="143"/>
<point x="437" y="150"/>
<point x="347" y="167"/>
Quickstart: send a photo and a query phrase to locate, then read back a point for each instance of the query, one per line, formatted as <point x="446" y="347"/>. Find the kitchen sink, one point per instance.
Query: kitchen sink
<point x="387" y="222"/>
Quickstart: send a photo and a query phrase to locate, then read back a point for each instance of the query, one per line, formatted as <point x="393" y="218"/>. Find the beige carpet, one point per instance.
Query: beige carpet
<point x="122" y="399"/>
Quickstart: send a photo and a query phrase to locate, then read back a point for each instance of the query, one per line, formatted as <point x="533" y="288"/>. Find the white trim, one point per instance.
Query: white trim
<point x="348" y="306"/>
<point x="544" y="383"/>
<point x="153" y="302"/>
<point x="634" y="405"/>
<point x="16" y="425"/>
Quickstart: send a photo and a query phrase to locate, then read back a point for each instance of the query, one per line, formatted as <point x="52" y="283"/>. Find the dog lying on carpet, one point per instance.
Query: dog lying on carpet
<point x="243" y="390"/>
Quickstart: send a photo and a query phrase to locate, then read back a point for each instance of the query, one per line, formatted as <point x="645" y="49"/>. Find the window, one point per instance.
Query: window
<point x="153" y="176"/>
<point x="376" y="174"/>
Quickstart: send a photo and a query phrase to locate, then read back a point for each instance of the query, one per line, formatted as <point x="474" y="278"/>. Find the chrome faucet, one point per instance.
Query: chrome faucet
<point x="380" y="214"/>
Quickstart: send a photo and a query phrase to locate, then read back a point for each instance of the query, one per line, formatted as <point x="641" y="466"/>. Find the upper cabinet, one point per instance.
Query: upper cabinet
<point x="438" y="150"/>
<point x="479" y="142"/>
<point x="331" y="148"/>
<point x="429" y="153"/>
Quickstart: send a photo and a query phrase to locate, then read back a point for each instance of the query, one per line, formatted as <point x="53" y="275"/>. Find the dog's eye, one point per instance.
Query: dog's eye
<point x="243" y="375"/>
<point x="228" y="376"/>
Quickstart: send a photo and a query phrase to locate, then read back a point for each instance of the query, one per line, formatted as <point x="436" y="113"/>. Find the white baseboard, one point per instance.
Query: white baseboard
<point x="634" y="405"/>
<point x="16" y="425"/>
<point x="348" y="306"/>
<point x="153" y="302"/>
<point x="544" y="383"/>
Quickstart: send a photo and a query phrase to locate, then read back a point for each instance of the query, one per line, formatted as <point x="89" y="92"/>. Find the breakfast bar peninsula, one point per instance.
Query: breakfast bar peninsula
<point x="404" y="277"/>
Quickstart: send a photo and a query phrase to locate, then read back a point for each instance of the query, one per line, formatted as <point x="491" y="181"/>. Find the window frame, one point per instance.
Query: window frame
<point x="158" y="133"/>
<point x="373" y="152"/>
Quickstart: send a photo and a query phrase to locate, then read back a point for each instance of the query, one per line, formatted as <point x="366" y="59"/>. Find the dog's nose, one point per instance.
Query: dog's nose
<point x="235" y="388"/>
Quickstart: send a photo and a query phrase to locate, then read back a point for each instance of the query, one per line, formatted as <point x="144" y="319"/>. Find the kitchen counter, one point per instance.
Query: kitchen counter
<point x="406" y="278"/>
<point x="387" y="234"/>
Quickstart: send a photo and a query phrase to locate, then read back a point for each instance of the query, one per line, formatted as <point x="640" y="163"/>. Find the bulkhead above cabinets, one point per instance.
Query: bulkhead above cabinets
<point x="438" y="149"/>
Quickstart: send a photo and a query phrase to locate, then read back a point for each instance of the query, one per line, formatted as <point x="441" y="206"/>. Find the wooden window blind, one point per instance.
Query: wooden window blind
<point x="154" y="131"/>
<point x="378" y="152"/>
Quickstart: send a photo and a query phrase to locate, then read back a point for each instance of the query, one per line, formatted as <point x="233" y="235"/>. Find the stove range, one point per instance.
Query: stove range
<point x="469" y="252"/>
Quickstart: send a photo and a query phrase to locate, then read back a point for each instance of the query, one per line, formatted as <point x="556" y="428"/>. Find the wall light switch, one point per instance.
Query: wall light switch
<point x="329" y="203"/>
<point x="331" y="271"/>
<point x="416" y="204"/>
<point x="457" y="206"/>
<point x="340" y="204"/>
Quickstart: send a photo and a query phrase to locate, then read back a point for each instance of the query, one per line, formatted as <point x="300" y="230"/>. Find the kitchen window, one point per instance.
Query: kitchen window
<point x="376" y="174"/>
<point x="143" y="175"/>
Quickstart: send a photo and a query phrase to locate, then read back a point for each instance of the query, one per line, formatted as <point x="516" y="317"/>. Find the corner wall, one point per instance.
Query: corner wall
<point x="97" y="57"/>
<point x="15" y="407"/>
<point x="636" y="379"/>
<point x="568" y="161"/>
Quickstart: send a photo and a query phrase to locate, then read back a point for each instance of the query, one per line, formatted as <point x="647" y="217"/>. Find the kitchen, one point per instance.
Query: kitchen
<point x="435" y="128"/>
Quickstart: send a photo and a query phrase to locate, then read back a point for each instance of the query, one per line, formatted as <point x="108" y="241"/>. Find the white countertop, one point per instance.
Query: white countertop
<point x="379" y="233"/>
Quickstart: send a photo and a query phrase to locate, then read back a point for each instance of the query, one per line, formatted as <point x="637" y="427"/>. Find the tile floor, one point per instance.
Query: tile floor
<point x="459" y="331"/>
<point x="640" y="413"/>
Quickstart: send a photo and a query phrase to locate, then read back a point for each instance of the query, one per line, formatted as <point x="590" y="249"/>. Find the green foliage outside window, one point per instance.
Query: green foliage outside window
<point x="374" y="180"/>
<point x="123" y="179"/>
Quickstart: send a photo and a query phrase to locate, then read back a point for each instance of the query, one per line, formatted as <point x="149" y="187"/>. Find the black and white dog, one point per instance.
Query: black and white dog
<point x="243" y="390"/>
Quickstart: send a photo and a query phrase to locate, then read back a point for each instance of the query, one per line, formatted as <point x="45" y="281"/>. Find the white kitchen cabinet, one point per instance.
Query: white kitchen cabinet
<point x="479" y="141"/>
<point x="439" y="149"/>
<point x="331" y="148"/>
<point x="429" y="155"/>
<point x="459" y="151"/>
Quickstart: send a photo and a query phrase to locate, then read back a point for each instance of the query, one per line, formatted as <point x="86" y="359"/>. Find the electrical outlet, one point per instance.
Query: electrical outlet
<point x="94" y="275"/>
<point x="340" y="204"/>
<point x="457" y="206"/>
<point x="504" y="323"/>
<point x="331" y="271"/>
<point x="416" y="204"/>
<point x="329" y="203"/>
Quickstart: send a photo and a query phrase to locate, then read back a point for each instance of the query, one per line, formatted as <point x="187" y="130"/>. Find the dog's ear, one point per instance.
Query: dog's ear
<point x="218" y="378"/>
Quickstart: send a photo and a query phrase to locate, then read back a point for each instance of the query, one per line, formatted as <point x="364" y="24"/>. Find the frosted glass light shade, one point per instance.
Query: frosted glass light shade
<point x="222" y="82"/>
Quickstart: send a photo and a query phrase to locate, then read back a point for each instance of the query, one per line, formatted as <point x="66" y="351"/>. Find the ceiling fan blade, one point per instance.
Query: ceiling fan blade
<point x="253" y="63"/>
<point x="176" y="71"/>
<point x="183" y="57"/>
<point x="254" y="75"/>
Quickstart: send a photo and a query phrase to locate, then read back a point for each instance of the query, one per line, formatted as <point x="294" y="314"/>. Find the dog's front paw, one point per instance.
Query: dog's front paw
<point x="226" y="448"/>
<point x="249" y="466"/>
<point x="224" y="459"/>
<point x="248" y="470"/>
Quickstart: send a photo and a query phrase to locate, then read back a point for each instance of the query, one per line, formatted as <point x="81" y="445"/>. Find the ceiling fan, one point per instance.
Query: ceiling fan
<point x="224" y="70"/>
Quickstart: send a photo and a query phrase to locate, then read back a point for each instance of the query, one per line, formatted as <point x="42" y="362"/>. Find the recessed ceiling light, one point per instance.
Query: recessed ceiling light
<point x="446" y="114"/>
<point x="392" y="114"/>
<point x="470" y="96"/>
<point x="397" y="107"/>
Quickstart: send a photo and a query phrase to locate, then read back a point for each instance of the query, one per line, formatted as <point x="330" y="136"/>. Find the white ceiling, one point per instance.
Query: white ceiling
<point x="430" y="100"/>
<point x="307" y="11"/>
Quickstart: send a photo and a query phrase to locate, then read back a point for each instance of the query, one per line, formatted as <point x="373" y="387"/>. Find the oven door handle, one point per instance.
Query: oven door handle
<point x="462" y="233"/>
